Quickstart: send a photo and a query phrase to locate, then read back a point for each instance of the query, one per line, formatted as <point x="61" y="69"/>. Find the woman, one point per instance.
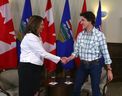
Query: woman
<point x="31" y="58"/>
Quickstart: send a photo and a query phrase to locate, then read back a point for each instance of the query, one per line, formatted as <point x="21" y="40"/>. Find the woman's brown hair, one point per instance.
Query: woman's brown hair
<point x="33" y="24"/>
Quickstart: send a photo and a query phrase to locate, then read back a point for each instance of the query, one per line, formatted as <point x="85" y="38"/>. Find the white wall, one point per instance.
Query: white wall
<point x="112" y="25"/>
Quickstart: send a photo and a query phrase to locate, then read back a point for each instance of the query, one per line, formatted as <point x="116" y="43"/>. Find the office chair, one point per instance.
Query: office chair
<point x="4" y="92"/>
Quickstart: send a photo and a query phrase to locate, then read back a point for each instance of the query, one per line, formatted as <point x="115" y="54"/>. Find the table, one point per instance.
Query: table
<point x="60" y="89"/>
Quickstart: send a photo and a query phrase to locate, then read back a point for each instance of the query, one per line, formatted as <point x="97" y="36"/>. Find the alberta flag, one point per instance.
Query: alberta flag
<point x="98" y="18"/>
<point x="27" y="12"/>
<point x="98" y="25"/>
<point x="49" y="37"/>
<point x="8" y="52"/>
<point x="65" y="39"/>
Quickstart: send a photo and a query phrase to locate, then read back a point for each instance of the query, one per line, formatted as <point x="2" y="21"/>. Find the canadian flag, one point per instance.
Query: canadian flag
<point x="80" y="29"/>
<point x="48" y="36"/>
<point x="8" y="53"/>
<point x="84" y="9"/>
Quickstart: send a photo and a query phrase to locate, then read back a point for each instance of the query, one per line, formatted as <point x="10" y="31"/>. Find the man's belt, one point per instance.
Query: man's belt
<point x="90" y="62"/>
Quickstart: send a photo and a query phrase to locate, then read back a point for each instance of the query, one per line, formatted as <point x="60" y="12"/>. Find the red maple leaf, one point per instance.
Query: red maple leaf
<point x="5" y="29"/>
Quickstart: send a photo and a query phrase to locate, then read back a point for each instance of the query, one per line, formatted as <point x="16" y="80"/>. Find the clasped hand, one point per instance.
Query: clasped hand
<point x="65" y="60"/>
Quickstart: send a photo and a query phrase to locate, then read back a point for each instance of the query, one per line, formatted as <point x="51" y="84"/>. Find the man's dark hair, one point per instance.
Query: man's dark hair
<point x="33" y="24"/>
<point x="89" y="16"/>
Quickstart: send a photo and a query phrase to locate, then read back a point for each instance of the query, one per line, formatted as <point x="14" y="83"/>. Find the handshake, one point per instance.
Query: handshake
<point x="65" y="60"/>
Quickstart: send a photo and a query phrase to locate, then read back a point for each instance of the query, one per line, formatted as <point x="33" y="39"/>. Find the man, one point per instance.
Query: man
<point x="90" y="47"/>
